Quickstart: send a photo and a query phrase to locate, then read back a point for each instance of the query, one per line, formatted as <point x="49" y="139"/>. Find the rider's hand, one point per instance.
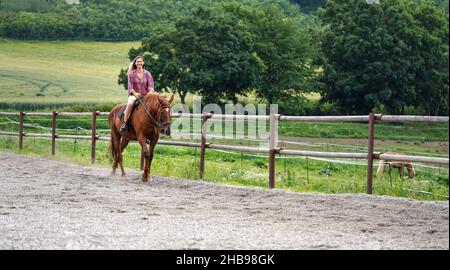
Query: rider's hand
<point x="136" y="95"/>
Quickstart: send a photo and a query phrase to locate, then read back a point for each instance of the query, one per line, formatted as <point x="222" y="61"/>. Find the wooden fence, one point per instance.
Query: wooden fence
<point x="272" y="151"/>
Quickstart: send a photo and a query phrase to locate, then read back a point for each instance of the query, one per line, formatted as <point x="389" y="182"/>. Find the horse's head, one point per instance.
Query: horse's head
<point x="411" y="171"/>
<point x="165" y="114"/>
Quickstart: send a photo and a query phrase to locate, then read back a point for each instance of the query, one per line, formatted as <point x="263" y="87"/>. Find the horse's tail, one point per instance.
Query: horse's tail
<point x="380" y="170"/>
<point x="112" y="147"/>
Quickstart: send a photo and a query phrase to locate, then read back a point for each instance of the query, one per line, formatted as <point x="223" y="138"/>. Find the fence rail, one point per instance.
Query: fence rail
<point x="272" y="150"/>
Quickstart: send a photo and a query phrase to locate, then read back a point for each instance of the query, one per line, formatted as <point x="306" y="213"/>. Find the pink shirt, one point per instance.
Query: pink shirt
<point x="142" y="86"/>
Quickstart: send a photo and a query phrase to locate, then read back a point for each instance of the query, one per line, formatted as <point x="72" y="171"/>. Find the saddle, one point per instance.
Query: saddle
<point x="122" y="110"/>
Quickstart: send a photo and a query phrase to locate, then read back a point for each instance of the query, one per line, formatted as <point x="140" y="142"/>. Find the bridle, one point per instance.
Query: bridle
<point x="160" y="111"/>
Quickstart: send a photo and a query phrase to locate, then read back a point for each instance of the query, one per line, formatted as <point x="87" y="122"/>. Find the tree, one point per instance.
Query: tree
<point x="229" y="50"/>
<point x="207" y="52"/>
<point x="285" y="50"/>
<point x="373" y="55"/>
<point x="432" y="73"/>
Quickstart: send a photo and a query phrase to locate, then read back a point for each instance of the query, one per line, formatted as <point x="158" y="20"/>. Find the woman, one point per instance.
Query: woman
<point x="140" y="83"/>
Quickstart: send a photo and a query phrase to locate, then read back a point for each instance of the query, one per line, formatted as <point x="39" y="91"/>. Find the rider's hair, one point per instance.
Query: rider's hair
<point x="133" y="63"/>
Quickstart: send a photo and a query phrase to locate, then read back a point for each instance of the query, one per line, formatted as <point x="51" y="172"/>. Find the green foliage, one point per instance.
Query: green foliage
<point x="443" y="4"/>
<point x="103" y="107"/>
<point x="39" y="6"/>
<point x="432" y="77"/>
<point x="103" y="19"/>
<point x="188" y="58"/>
<point x="260" y="164"/>
<point x="310" y="5"/>
<point x="442" y="180"/>
<point x="329" y="169"/>
<point x="286" y="50"/>
<point x="395" y="54"/>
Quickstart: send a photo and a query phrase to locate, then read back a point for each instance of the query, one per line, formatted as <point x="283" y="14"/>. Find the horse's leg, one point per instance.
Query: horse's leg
<point x="114" y="167"/>
<point x="411" y="172"/>
<point x="143" y="142"/>
<point x="115" y="142"/>
<point x="400" y="172"/>
<point x="150" y="158"/>
<point x="382" y="165"/>
<point x="391" y="168"/>
<point x="380" y="171"/>
<point x="123" y="145"/>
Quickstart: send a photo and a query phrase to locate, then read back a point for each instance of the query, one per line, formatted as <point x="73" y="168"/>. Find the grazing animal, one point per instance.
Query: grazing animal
<point x="399" y="164"/>
<point x="151" y="118"/>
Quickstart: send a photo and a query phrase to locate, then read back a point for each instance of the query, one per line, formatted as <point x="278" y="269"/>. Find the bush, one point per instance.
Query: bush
<point x="260" y="164"/>
<point x="442" y="180"/>
<point x="327" y="108"/>
<point x="303" y="106"/>
<point x="295" y="105"/>
<point x="329" y="168"/>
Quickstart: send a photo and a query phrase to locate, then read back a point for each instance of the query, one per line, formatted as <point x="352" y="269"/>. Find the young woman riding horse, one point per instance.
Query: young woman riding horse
<point x="152" y="117"/>
<point x="140" y="83"/>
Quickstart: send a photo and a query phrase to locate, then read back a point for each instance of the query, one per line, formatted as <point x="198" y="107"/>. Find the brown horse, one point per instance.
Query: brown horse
<point x="399" y="164"/>
<point x="152" y="117"/>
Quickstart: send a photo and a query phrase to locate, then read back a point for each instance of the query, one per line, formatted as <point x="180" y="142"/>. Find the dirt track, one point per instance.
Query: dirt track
<point x="51" y="205"/>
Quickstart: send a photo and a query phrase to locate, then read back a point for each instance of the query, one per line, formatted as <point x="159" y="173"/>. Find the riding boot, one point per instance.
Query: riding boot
<point x="125" y="127"/>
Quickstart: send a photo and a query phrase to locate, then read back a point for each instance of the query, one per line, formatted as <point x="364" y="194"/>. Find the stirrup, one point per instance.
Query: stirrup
<point x="124" y="127"/>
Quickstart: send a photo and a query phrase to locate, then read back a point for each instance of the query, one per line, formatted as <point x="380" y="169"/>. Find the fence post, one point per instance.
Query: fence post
<point x="94" y="135"/>
<point x="21" y="116"/>
<point x="272" y="148"/>
<point x="54" y="132"/>
<point x="205" y="118"/>
<point x="370" y="152"/>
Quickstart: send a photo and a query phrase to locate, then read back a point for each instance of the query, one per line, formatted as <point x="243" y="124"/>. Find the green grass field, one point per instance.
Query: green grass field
<point x="62" y="71"/>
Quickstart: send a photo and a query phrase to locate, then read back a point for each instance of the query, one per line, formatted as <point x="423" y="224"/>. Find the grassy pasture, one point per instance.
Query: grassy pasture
<point x="50" y="74"/>
<point x="62" y="71"/>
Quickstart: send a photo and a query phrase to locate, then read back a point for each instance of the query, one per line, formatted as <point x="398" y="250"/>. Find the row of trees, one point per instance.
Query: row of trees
<point x="114" y="20"/>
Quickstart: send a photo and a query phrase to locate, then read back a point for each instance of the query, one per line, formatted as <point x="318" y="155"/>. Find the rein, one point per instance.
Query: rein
<point x="150" y="115"/>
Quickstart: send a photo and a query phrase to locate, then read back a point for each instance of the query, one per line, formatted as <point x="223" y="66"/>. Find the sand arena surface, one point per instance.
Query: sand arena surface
<point x="47" y="204"/>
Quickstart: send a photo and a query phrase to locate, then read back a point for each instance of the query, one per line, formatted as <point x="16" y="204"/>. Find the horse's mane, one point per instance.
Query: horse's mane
<point x="153" y="101"/>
